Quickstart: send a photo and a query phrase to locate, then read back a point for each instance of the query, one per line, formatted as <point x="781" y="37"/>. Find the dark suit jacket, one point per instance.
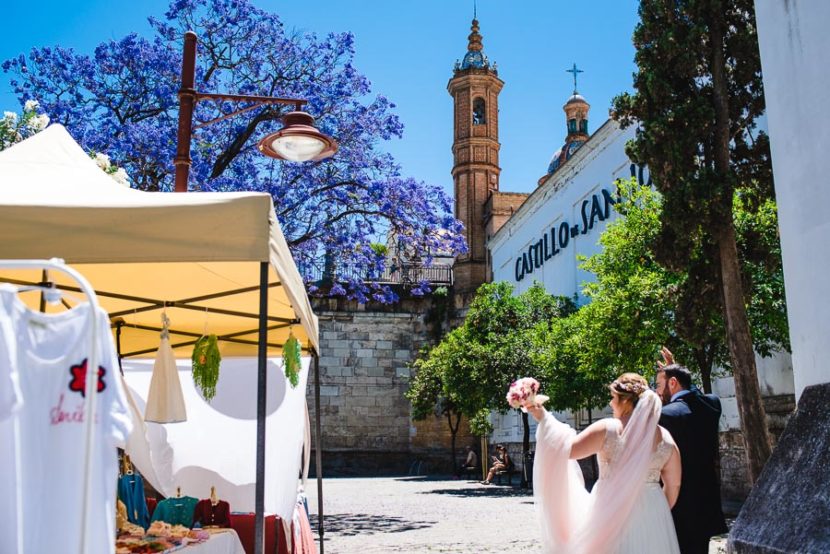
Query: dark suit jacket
<point x="692" y="421"/>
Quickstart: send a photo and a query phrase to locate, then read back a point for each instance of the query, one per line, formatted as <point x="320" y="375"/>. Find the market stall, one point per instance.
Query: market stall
<point x="213" y="263"/>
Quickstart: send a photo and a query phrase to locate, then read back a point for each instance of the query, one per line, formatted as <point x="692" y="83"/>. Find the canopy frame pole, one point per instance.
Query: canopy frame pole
<point x="318" y="449"/>
<point x="262" y="396"/>
<point x="153" y="304"/>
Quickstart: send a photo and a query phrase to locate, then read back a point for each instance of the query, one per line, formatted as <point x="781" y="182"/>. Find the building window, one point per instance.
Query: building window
<point x="583" y="126"/>
<point x="479" y="113"/>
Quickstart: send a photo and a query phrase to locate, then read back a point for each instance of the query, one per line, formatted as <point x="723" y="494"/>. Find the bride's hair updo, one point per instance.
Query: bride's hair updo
<point x="629" y="386"/>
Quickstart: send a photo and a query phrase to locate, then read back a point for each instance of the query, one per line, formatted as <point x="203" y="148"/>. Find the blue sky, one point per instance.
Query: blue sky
<point x="407" y="50"/>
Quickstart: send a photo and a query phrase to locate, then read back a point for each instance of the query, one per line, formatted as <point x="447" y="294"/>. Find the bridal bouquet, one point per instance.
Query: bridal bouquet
<point x="523" y="392"/>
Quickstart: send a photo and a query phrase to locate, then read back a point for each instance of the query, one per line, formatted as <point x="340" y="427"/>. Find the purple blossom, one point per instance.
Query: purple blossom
<point x="122" y="99"/>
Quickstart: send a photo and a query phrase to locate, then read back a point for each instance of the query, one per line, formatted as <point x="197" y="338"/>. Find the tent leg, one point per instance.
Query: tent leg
<point x="262" y="390"/>
<point x="318" y="450"/>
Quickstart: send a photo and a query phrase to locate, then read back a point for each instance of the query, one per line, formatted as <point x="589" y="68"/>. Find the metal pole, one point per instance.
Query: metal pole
<point x="261" y="397"/>
<point x="318" y="450"/>
<point x="187" y="100"/>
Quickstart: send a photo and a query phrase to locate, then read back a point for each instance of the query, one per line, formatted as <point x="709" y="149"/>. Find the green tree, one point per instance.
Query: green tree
<point x="426" y="394"/>
<point x="699" y="95"/>
<point x="472" y="368"/>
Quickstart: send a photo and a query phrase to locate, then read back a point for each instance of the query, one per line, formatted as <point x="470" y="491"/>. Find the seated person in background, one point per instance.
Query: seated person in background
<point x="471" y="463"/>
<point x="501" y="462"/>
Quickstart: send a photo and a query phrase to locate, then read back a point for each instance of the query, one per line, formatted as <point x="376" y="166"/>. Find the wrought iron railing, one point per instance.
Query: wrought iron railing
<point x="404" y="274"/>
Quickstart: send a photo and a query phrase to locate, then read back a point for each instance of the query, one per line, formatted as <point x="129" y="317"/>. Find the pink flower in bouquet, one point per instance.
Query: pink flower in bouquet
<point x="523" y="392"/>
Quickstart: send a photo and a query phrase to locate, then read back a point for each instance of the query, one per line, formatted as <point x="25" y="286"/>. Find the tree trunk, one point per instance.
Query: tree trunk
<point x="453" y="432"/>
<point x="739" y="339"/>
<point x="525" y="448"/>
<point x="704" y="364"/>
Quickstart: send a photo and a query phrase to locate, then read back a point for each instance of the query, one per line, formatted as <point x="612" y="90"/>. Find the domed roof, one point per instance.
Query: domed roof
<point x="555" y="161"/>
<point x="576" y="98"/>
<point x="564" y="154"/>
<point x="474" y="58"/>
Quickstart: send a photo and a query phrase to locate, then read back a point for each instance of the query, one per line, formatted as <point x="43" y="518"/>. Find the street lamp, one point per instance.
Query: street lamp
<point x="297" y="141"/>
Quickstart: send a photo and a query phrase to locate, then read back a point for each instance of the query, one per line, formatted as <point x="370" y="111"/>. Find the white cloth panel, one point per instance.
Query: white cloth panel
<point x="216" y="446"/>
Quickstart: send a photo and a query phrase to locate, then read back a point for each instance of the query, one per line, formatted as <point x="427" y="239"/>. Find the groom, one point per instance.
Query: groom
<point x="692" y="419"/>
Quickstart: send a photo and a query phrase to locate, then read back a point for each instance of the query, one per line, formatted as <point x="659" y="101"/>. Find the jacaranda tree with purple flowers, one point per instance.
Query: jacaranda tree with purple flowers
<point x="122" y="99"/>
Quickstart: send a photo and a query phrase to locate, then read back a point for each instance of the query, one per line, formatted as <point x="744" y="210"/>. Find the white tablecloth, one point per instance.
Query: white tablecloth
<point x="226" y="542"/>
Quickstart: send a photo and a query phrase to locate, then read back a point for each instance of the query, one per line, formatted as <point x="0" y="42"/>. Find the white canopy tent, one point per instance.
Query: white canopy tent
<point x="215" y="262"/>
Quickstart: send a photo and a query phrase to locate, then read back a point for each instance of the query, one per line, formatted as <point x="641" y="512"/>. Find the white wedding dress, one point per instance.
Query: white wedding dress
<point x="626" y="512"/>
<point x="650" y="528"/>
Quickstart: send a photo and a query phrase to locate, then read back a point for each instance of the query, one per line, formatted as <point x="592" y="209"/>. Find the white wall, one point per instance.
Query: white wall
<point x="593" y="167"/>
<point x="775" y="376"/>
<point x="795" y="43"/>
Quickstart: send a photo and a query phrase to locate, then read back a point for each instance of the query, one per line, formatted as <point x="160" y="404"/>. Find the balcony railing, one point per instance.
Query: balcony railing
<point x="404" y="274"/>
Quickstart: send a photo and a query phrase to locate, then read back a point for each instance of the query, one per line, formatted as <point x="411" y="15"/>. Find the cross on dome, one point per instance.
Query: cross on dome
<point x="575" y="72"/>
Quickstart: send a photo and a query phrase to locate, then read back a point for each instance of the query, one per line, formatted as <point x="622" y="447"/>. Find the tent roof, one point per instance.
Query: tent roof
<point x="142" y="250"/>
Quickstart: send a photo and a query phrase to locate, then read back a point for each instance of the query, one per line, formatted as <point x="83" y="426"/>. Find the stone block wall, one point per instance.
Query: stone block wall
<point x="735" y="484"/>
<point x="365" y="353"/>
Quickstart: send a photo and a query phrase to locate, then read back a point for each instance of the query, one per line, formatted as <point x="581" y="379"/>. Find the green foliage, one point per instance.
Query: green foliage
<point x="759" y="246"/>
<point x="14" y="128"/>
<point x="473" y="366"/>
<point x="699" y="95"/>
<point x="206" y="359"/>
<point x="436" y="317"/>
<point x="379" y="249"/>
<point x="637" y="305"/>
<point x="291" y="358"/>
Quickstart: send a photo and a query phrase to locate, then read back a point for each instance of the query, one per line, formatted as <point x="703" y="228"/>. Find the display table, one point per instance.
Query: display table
<point x="220" y="542"/>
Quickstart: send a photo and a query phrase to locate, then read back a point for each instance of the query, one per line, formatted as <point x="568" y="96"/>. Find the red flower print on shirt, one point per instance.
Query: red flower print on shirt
<point x="78" y="382"/>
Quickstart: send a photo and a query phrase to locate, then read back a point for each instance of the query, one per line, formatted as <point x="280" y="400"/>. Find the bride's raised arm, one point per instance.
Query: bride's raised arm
<point x="584" y="444"/>
<point x="589" y="441"/>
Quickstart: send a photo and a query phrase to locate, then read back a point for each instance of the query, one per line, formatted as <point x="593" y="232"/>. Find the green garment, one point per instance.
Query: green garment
<point x="176" y="511"/>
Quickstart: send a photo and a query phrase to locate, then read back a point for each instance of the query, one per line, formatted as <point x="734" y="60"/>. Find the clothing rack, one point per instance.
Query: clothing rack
<point x="57" y="264"/>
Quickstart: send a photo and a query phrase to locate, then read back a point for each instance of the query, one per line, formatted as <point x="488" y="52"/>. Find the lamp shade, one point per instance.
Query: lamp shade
<point x="298" y="140"/>
<point x="165" y="400"/>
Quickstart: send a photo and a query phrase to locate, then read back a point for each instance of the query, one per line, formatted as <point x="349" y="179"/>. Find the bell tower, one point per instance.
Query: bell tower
<point x="474" y="88"/>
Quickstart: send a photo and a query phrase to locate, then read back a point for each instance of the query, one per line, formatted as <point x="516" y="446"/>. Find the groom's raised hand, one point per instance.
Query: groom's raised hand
<point x="668" y="358"/>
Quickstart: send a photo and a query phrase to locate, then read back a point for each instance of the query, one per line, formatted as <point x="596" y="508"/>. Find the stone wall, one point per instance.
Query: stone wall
<point x="365" y="352"/>
<point x="735" y="484"/>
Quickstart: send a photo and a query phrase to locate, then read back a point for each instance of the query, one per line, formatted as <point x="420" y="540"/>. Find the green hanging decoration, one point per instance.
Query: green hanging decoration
<point x="206" y="360"/>
<point x="291" y="359"/>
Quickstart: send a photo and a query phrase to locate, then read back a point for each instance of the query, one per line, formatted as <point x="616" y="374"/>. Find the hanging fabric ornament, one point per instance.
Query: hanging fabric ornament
<point x="291" y="359"/>
<point x="206" y="360"/>
<point x="165" y="400"/>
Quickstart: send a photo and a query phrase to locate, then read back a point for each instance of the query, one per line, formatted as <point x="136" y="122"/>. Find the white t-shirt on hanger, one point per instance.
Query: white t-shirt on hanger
<point x="48" y="432"/>
<point x="10" y="397"/>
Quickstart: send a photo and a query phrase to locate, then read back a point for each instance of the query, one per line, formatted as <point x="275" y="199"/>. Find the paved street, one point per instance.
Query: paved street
<point x="417" y="514"/>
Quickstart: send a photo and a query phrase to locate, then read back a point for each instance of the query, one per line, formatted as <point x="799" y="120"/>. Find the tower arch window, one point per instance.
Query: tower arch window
<point x="479" y="112"/>
<point x="572" y="125"/>
<point x="583" y="126"/>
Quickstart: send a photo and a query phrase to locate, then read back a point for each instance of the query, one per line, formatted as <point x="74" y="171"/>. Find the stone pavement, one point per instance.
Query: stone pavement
<point x="417" y="514"/>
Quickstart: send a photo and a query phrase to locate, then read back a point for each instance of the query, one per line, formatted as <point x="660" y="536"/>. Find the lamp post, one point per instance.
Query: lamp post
<point x="297" y="141"/>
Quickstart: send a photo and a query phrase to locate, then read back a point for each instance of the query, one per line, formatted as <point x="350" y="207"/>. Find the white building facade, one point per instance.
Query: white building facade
<point x="563" y="219"/>
<point x="559" y="224"/>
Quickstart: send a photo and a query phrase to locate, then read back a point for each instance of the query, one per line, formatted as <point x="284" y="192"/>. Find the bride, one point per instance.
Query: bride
<point x="627" y="512"/>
